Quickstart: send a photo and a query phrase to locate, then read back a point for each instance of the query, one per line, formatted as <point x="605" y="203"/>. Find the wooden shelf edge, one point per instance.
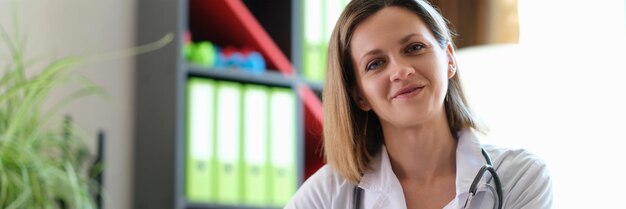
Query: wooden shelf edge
<point x="269" y="77"/>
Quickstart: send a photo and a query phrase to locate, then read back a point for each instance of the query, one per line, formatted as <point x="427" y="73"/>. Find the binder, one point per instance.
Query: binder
<point x="344" y="3"/>
<point x="332" y="10"/>
<point x="313" y="59"/>
<point x="283" y="145"/>
<point x="255" y="138"/>
<point x="200" y="161"/>
<point x="229" y="175"/>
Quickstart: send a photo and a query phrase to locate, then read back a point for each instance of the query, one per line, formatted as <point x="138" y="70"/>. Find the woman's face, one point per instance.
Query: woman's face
<point x="402" y="71"/>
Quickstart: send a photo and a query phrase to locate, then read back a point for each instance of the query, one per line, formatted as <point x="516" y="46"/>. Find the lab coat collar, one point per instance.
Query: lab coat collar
<point x="380" y="175"/>
<point x="469" y="160"/>
<point x="381" y="184"/>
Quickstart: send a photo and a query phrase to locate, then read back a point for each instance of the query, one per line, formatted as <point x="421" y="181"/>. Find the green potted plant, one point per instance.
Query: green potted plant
<point x="43" y="166"/>
<point x="40" y="167"/>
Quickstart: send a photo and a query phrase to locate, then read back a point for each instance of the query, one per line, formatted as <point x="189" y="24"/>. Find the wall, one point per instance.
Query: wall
<point x="559" y="94"/>
<point x="76" y="27"/>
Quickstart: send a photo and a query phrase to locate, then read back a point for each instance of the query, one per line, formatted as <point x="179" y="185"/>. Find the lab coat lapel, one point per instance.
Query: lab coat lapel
<point x="381" y="186"/>
<point x="469" y="160"/>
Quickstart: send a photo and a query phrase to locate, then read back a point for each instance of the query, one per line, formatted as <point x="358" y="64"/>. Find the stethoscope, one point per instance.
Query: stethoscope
<point x="356" y="198"/>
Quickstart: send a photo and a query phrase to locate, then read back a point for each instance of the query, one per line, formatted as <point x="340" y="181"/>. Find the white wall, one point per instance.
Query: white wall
<point x="561" y="94"/>
<point x="57" y="28"/>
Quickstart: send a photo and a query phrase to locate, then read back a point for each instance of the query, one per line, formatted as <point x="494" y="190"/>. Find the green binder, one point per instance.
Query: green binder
<point x="229" y="174"/>
<point x="255" y="140"/>
<point x="200" y="161"/>
<point x="332" y="10"/>
<point x="344" y="3"/>
<point x="283" y="145"/>
<point x="313" y="59"/>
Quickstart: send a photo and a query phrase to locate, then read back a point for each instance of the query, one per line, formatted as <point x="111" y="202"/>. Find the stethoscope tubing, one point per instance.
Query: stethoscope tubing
<point x="474" y="186"/>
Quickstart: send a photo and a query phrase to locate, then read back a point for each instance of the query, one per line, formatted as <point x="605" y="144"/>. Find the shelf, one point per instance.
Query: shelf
<point x="268" y="78"/>
<point x="315" y="86"/>
<point x="218" y="206"/>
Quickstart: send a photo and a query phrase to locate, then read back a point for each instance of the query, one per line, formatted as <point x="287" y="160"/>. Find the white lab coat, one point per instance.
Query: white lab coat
<point x="525" y="182"/>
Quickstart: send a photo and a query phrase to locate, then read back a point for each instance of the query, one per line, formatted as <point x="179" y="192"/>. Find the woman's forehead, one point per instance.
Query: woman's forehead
<point x="390" y="25"/>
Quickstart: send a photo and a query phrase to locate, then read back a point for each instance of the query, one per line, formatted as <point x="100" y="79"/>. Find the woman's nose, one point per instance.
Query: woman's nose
<point x="401" y="71"/>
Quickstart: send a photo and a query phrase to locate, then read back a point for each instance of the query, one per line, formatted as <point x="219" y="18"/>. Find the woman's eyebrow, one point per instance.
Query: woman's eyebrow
<point x="372" y="52"/>
<point x="408" y="37"/>
<point x="402" y="41"/>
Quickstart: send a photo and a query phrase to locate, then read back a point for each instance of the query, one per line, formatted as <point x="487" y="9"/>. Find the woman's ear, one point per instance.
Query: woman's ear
<point x="452" y="67"/>
<point x="360" y="100"/>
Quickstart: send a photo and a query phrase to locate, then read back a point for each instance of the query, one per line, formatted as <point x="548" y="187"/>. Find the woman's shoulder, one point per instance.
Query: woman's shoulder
<point x="321" y="189"/>
<point x="525" y="177"/>
<point x="513" y="157"/>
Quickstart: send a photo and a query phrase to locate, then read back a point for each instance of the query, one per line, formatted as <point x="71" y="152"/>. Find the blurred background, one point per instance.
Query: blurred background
<point x="545" y="75"/>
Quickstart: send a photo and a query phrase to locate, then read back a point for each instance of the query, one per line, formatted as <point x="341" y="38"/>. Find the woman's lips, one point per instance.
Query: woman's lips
<point x="408" y="92"/>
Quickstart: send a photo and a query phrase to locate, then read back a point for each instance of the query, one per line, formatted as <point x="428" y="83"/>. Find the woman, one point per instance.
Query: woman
<point x="398" y="132"/>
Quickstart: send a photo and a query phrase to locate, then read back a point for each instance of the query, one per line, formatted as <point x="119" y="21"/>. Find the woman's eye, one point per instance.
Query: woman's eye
<point x="413" y="48"/>
<point x="374" y="64"/>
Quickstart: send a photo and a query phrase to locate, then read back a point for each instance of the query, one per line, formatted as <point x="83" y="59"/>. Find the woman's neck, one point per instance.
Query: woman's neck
<point x="421" y="153"/>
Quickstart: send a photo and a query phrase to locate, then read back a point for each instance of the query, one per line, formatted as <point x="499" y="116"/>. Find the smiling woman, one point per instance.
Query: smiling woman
<point x="398" y="132"/>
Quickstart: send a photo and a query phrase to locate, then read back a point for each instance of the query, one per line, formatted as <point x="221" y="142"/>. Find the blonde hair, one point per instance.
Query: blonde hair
<point x="352" y="136"/>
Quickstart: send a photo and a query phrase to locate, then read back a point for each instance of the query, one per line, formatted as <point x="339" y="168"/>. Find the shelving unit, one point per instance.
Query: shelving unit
<point x="161" y="85"/>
